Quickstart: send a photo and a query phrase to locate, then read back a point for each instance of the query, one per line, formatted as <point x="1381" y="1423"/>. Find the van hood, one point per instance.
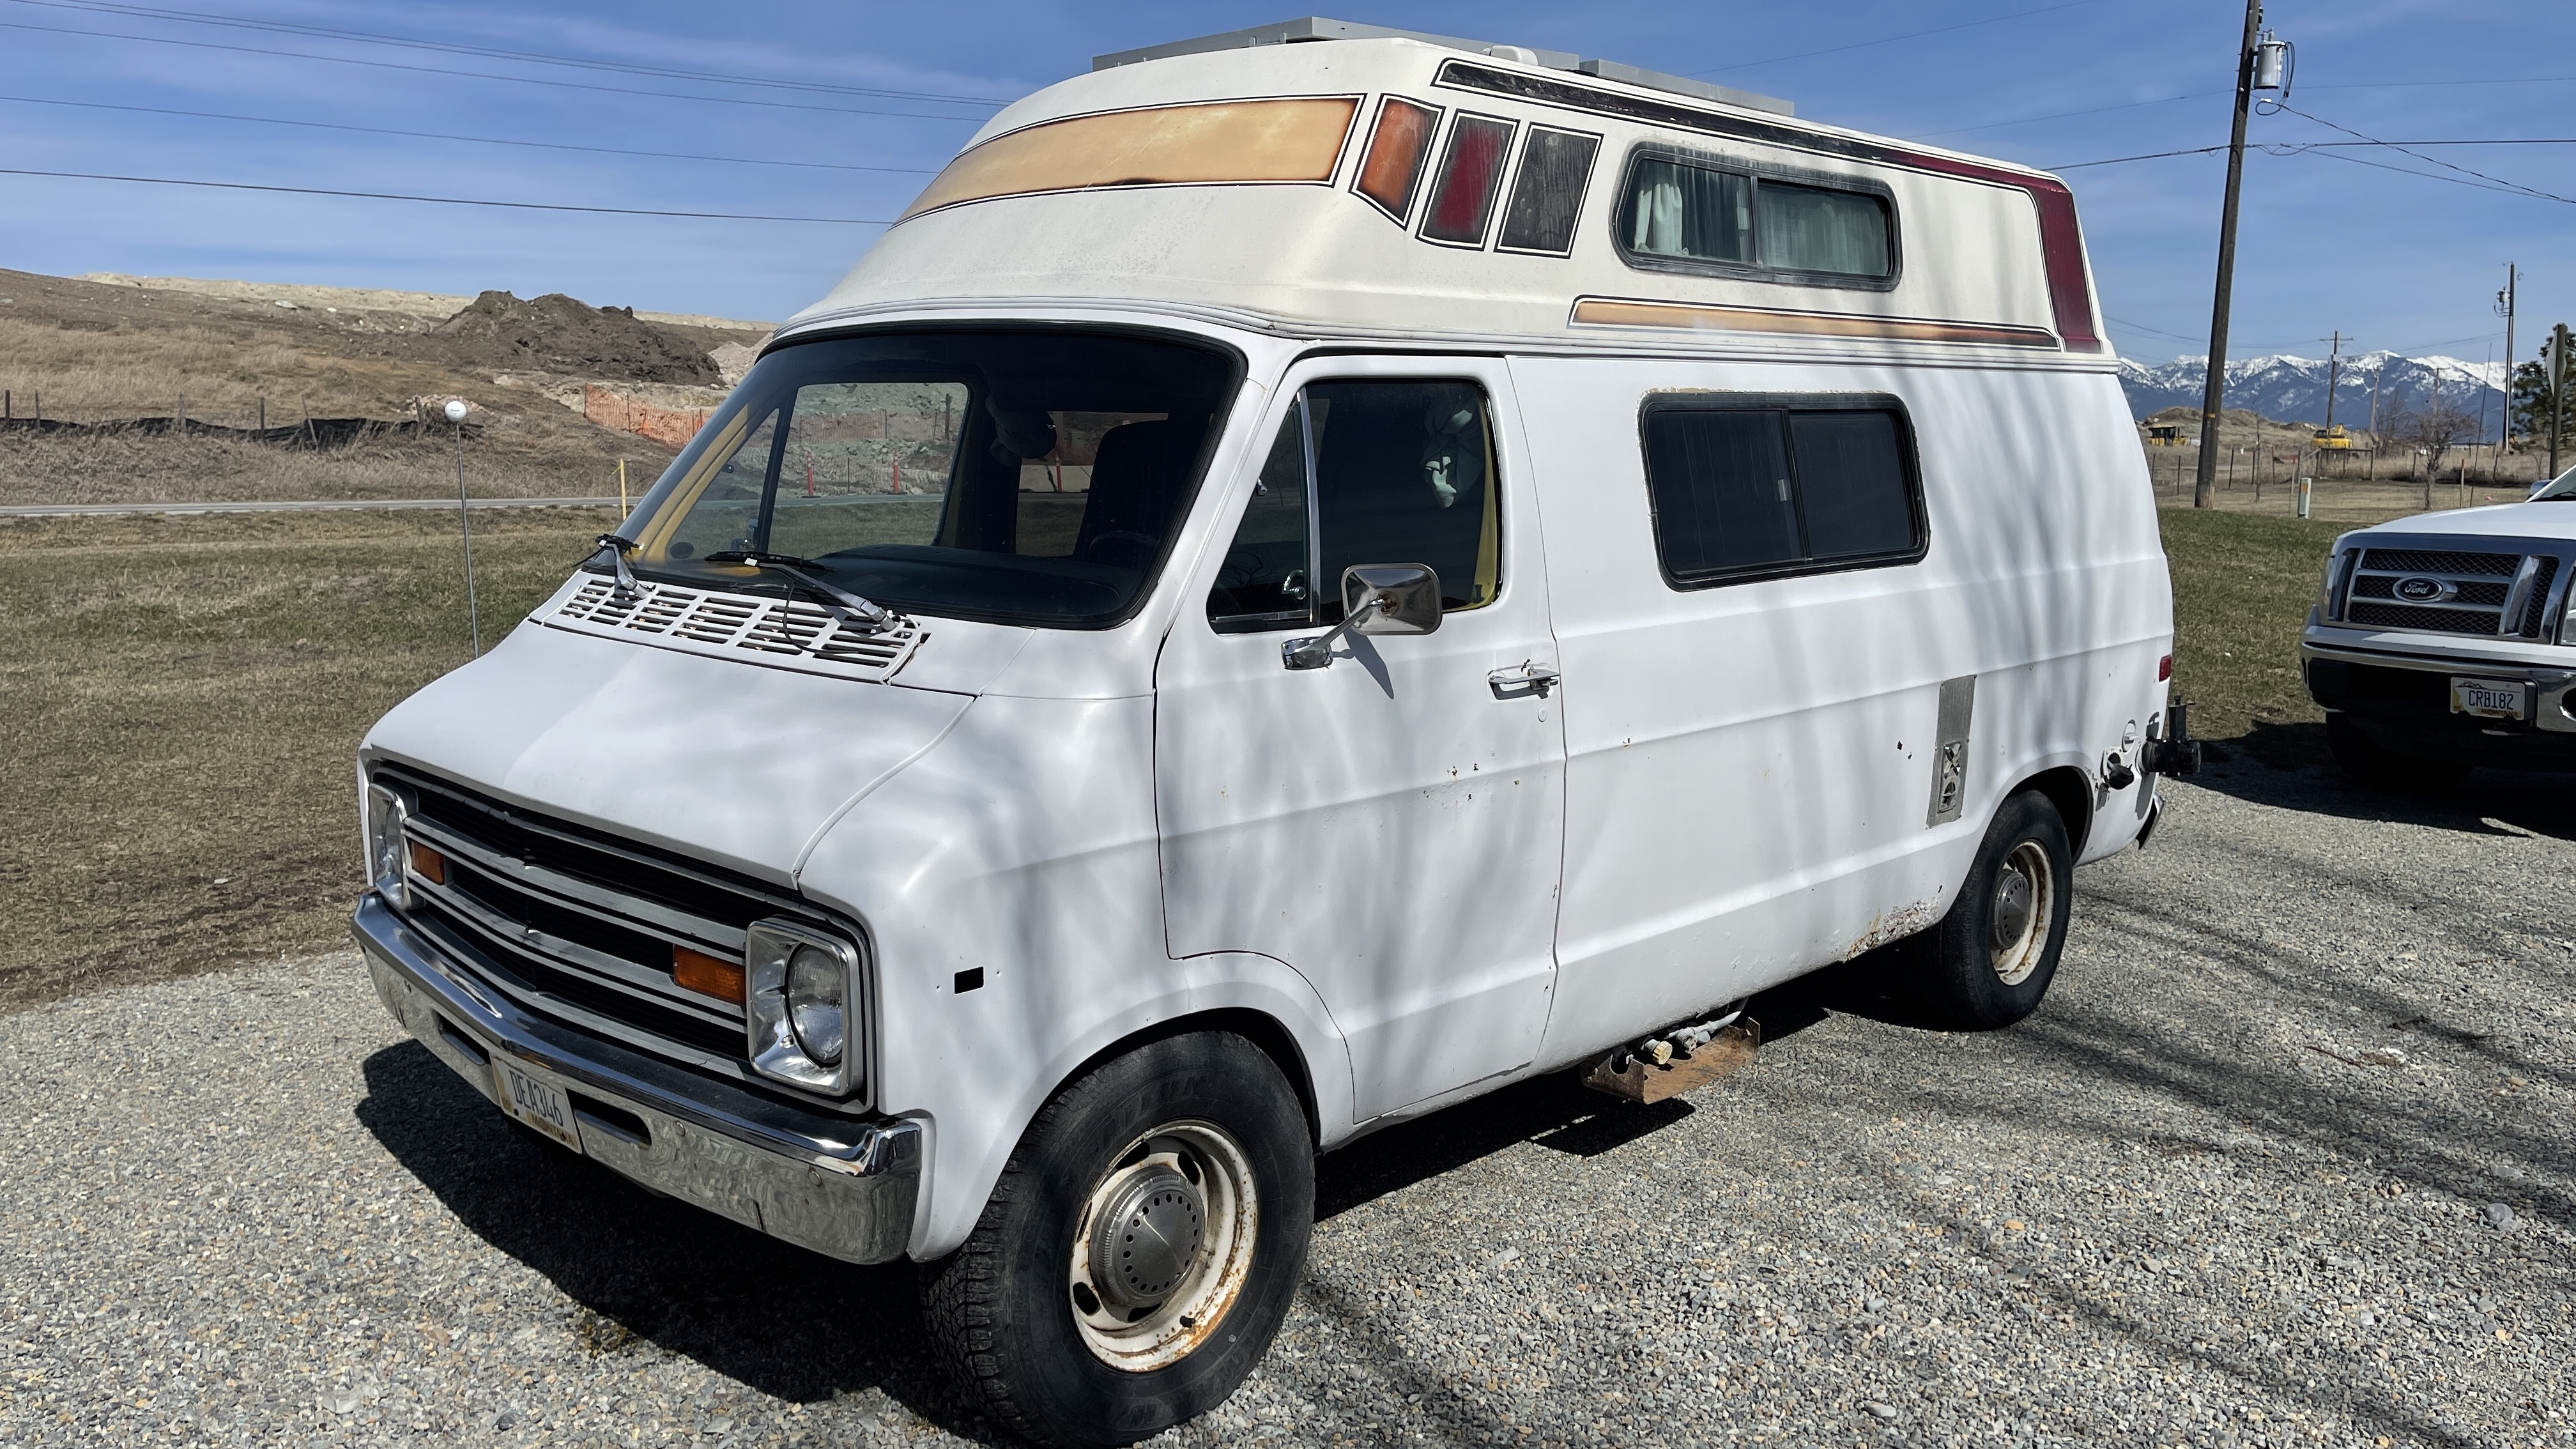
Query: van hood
<point x="2554" y="520"/>
<point x="728" y="762"/>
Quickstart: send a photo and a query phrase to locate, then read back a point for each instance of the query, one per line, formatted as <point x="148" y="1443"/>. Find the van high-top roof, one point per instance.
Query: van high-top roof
<point x="1387" y="187"/>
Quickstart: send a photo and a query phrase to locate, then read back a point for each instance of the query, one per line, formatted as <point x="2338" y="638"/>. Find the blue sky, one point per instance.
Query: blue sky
<point x="2329" y="240"/>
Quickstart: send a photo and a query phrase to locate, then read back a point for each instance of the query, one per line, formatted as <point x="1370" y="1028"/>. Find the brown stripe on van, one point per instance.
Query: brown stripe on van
<point x="1205" y="143"/>
<point x="1623" y="312"/>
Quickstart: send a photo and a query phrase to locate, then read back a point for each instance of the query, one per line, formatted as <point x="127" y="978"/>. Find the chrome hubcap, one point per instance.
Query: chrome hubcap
<point x="2018" y="919"/>
<point x="1164" y="1245"/>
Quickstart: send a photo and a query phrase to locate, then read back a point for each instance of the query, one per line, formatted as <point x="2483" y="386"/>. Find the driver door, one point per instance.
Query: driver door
<point x="1391" y="824"/>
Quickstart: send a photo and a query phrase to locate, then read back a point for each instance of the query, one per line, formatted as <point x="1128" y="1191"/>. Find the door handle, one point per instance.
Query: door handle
<point x="1523" y="680"/>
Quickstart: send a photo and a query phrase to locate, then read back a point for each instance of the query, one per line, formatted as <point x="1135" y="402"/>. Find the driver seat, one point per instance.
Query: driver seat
<point x="1134" y="479"/>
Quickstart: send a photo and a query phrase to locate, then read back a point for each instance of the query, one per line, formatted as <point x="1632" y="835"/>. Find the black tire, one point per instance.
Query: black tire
<point x="1005" y="1309"/>
<point x="1974" y="980"/>
<point x="2377" y="767"/>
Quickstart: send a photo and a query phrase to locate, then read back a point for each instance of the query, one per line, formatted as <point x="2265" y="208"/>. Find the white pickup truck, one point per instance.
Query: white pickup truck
<point x="2443" y="641"/>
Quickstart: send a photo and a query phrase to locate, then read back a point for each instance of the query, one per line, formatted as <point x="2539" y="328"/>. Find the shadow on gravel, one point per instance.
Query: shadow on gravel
<point x="789" y="1323"/>
<point x="1557" y="1112"/>
<point x="2287" y="767"/>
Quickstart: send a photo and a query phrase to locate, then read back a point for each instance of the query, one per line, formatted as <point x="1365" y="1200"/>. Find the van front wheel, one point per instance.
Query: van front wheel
<point x="1991" y="959"/>
<point x="1139" y="1252"/>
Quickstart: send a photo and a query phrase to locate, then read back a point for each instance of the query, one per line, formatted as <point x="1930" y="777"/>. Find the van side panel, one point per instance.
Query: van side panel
<point x="1751" y="766"/>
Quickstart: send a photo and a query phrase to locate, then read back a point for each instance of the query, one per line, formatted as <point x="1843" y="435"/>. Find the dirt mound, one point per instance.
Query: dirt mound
<point x="556" y="333"/>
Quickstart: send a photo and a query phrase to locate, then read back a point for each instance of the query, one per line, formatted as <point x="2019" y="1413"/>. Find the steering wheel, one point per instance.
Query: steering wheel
<point x="1145" y="543"/>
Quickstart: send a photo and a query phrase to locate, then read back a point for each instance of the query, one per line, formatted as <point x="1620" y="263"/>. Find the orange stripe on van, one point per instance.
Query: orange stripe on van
<point x="1619" y="312"/>
<point x="1208" y="143"/>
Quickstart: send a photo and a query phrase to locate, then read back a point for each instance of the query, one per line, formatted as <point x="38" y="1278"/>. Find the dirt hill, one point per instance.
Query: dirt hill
<point x="556" y="333"/>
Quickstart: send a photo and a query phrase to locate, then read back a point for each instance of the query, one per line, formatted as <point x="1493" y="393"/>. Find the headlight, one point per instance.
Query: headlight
<point x="386" y="812"/>
<point x="2338" y="564"/>
<point x="800" y="990"/>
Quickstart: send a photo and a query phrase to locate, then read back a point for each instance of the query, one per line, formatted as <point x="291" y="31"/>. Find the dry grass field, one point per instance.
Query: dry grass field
<point x="186" y="698"/>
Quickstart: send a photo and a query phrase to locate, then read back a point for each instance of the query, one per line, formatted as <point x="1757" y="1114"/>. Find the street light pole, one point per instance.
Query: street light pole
<point x="2204" y="493"/>
<point x="473" y="615"/>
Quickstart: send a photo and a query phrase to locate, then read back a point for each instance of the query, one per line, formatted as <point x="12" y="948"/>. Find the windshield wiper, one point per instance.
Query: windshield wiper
<point x="872" y="616"/>
<point x="626" y="591"/>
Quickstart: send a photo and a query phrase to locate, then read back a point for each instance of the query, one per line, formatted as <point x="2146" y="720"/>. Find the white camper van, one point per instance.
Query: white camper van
<point x="1299" y="584"/>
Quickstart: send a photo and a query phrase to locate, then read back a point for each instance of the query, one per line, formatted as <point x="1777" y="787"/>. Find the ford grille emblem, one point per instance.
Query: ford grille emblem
<point x="2423" y="591"/>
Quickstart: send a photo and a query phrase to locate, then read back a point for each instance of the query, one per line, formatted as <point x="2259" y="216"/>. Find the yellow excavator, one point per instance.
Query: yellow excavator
<point x="2333" y="437"/>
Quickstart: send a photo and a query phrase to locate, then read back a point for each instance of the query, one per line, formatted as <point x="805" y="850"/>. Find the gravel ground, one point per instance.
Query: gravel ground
<point x="2285" y="1159"/>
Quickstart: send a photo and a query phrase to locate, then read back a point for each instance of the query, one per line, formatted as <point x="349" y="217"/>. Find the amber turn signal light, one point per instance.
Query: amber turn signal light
<point x="706" y="975"/>
<point x="428" y="864"/>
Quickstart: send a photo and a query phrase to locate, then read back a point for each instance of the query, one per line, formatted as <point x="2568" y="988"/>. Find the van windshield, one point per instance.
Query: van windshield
<point x="1021" y="477"/>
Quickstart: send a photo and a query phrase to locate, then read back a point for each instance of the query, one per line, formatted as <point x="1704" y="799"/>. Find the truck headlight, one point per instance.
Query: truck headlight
<point x="386" y="812"/>
<point x="2338" y="563"/>
<point x="800" y="988"/>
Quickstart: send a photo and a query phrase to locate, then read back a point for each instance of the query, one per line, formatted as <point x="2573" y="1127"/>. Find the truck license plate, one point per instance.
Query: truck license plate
<point x="2487" y="698"/>
<point x="541" y="1105"/>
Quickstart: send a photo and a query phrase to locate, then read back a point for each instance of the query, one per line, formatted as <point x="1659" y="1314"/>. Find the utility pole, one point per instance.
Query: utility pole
<point x="2204" y="493"/>
<point x="2334" y="361"/>
<point x="2558" y="344"/>
<point x="2504" y="304"/>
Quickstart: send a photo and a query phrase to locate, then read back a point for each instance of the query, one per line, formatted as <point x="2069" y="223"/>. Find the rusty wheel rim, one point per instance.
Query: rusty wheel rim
<point x="2025" y="902"/>
<point x="1163" y="1246"/>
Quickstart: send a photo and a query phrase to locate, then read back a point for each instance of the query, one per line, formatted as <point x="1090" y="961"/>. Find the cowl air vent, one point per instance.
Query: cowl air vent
<point x="783" y="633"/>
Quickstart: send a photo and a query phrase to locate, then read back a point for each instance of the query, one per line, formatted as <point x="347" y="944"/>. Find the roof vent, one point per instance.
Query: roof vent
<point x="1316" y="27"/>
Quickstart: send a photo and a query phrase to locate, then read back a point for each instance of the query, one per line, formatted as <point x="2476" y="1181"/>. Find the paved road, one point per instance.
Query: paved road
<point x="314" y="505"/>
<point x="2285" y="1160"/>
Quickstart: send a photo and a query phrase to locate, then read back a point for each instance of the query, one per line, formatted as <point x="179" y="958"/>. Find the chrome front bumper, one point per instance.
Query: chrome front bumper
<point x="842" y="1188"/>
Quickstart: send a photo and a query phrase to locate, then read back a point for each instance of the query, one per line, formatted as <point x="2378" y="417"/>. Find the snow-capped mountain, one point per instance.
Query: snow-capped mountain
<point x="2293" y="389"/>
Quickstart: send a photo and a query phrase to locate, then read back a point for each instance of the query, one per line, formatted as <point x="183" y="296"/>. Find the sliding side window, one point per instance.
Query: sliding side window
<point x="1763" y="487"/>
<point x="1679" y="214"/>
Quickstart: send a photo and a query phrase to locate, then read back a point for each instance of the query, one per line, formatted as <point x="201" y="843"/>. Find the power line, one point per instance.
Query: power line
<point x="367" y="37"/>
<point x="2504" y="188"/>
<point x="525" y="80"/>
<point x="1888" y="39"/>
<point x="2145" y="156"/>
<point x="2393" y="146"/>
<point x="439" y="200"/>
<point x="478" y="140"/>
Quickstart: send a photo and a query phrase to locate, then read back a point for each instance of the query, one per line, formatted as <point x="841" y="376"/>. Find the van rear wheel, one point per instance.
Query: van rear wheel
<point x="1140" y="1250"/>
<point x="1990" y="960"/>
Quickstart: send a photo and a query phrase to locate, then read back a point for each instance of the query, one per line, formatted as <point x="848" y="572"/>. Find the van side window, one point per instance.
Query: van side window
<point x="1403" y="473"/>
<point x="1764" y="487"/>
<point x="1678" y="214"/>
<point x="1262" y="583"/>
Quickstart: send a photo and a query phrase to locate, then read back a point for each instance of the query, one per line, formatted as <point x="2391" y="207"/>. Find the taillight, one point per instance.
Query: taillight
<point x="2164" y="669"/>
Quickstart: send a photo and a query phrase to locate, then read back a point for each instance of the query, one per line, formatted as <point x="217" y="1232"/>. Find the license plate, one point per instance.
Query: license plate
<point x="541" y="1105"/>
<point x="2487" y="698"/>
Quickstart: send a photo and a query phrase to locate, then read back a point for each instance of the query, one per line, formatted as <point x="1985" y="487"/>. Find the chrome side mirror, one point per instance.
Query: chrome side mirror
<point x="1376" y="599"/>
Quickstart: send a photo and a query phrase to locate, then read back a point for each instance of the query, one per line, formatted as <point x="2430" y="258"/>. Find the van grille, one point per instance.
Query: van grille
<point x="2494" y="594"/>
<point x="578" y="925"/>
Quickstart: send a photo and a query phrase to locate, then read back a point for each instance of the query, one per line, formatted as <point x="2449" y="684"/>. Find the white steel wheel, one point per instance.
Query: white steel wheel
<point x="1163" y="1246"/>
<point x="2024" y="905"/>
